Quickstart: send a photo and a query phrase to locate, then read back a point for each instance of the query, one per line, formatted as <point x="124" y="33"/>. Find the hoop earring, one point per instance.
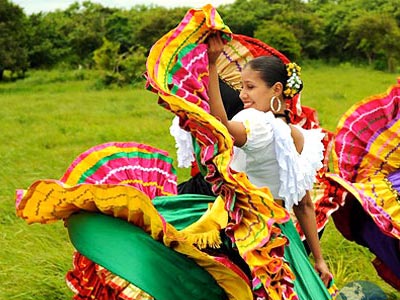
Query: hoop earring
<point x="272" y="102"/>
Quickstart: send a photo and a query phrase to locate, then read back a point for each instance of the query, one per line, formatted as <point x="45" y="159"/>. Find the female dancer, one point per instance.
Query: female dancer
<point x="269" y="145"/>
<point x="137" y="239"/>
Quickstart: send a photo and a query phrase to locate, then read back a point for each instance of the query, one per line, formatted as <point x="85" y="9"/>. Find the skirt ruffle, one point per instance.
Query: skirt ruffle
<point x="89" y="281"/>
<point x="364" y="191"/>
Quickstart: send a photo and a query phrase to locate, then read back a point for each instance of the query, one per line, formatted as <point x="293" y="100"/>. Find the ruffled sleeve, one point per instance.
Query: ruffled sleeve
<point x="258" y="128"/>
<point x="313" y="154"/>
<point x="296" y="171"/>
<point x="183" y="144"/>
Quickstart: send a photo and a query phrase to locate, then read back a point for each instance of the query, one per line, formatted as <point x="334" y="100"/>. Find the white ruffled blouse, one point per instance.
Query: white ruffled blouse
<point x="183" y="144"/>
<point x="269" y="156"/>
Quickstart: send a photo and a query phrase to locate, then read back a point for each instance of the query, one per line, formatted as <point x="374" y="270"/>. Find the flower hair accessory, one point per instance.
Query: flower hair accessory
<point x="294" y="83"/>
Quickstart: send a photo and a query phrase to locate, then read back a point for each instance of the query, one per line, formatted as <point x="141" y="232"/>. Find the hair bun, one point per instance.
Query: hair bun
<point x="294" y="83"/>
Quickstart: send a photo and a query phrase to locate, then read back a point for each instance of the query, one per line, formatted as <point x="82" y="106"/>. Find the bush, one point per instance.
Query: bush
<point x="120" y="69"/>
<point x="280" y="37"/>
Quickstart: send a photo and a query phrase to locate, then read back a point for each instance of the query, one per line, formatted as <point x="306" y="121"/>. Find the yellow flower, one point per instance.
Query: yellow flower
<point x="294" y="82"/>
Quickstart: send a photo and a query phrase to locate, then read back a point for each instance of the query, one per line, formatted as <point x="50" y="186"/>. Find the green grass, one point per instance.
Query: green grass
<point x="332" y="90"/>
<point x="46" y="121"/>
<point x="51" y="117"/>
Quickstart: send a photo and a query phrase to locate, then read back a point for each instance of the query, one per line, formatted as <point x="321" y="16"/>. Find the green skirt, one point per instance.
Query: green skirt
<point x="308" y="284"/>
<point x="130" y="253"/>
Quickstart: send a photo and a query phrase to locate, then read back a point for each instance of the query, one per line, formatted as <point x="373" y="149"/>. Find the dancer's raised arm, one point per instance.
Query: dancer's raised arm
<point x="236" y="129"/>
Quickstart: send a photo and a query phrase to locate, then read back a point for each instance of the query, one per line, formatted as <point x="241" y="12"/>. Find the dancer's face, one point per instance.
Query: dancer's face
<point x="255" y="92"/>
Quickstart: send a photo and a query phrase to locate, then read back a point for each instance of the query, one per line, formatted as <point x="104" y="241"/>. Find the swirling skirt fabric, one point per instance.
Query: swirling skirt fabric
<point x="365" y="187"/>
<point x="123" y="180"/>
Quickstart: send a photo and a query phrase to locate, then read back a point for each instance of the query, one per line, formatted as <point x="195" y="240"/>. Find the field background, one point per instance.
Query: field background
<point x="51" y="117"/>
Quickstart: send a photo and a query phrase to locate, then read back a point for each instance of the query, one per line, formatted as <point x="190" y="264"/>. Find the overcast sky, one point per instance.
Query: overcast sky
<point x="34" y="6"/>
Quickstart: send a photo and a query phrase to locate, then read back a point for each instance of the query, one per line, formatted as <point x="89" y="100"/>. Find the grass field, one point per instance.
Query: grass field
<point x="51" y="117"/>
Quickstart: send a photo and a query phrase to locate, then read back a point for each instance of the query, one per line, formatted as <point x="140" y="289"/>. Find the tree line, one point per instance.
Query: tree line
<point x="90" y="35"/>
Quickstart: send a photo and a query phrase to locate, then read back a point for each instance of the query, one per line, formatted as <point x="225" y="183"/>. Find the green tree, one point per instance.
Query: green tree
<point x="156" y="22"/>
<point x="336" y="19"/>
<point x="106" y="56"/>
<point x="13" y="51"/>
<point x="391" y="50"/>
<point x="120" y="28"/>
<point x="374" y="34"/>
<point x="280" y="37"/>
<point x="308" y="30"/>
<point x="120" y="68"/>
<point x="244" y="16"/>
<point x="85" y="30"/>
<point x="338" y="23"/>
<point x="47" y="43"/>
<point x="132" y="65"/>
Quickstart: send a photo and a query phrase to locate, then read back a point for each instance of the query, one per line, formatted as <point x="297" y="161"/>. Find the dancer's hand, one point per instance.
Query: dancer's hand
<point x="215" y="47"/>
<point x="323" y="271"/>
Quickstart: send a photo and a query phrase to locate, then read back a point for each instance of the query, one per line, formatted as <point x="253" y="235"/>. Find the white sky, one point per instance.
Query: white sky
<point x="35" y="6"/>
